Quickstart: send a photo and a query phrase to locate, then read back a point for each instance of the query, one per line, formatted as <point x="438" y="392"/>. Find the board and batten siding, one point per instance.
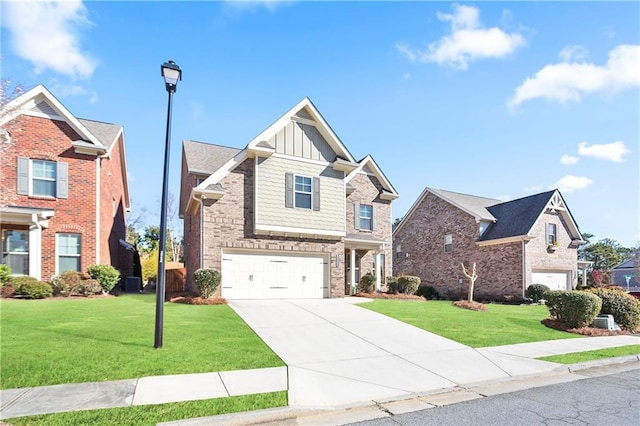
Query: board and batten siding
<point x="270" y="196"/>
<point x="304" y="141"/>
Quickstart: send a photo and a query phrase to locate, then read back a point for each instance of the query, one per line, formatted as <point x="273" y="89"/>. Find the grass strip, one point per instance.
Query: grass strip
<point x="152" y="414"/>
<point x="47" y="342"/>
<point x="576" y="357"/>
<point x="498" y="325"/>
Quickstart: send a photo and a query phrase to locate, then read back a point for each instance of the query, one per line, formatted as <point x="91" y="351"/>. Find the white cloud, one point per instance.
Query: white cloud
<point x="44" y="33"/>
<point x="570" y="183"/>
<point x="613" y="151"/>
<point x="253" y="5"/>
<point x="468" y="41"/>
<point x="568" y="81"/>
<point x="66" y="90"/>
<point x="573" y="53"/>
<point x="568" y="160"/>
<point x="406" y="76"/>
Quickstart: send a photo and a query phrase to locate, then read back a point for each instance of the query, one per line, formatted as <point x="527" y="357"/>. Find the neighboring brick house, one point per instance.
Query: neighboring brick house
<point x="63" y="189"/>
<point x="291" y="215"/>
<point x="514" y="244"/>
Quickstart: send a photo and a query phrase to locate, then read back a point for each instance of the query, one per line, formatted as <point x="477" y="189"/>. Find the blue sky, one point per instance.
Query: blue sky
<point x="497" y="99"/>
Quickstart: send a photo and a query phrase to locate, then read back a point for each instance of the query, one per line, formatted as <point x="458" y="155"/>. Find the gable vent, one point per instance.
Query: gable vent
<point x="44" y="108"/>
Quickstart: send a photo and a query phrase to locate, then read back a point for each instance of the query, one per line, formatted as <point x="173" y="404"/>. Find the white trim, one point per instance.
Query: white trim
<point x="368" y="160"/>
<point x="301" y="120"/>
<point x="504" y="240"/>
<point x="292" y="232"/>
<point x="255" y="193"/>
<point x="57" y="258"/>
<point x="556" y="204"/>
<point x="35" y="248"/>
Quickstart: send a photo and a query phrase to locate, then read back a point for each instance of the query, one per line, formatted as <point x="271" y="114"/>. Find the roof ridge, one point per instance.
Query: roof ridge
<point x="211" y="144"/>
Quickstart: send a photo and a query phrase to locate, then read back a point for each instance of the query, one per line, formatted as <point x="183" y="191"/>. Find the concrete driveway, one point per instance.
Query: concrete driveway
<point x="340" y="354"/>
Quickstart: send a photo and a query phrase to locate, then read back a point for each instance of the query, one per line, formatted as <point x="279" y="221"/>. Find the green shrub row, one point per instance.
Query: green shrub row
<point x="428" y="292"/>
<point x="624" y="307"/>
<point x="207" y="281"/>
<point x="406" y="284"/>
<point x="574" y="308"/>
<point x="367" y="283"/>
<point x="536" y="292"/>
<point x="30" y="288"/>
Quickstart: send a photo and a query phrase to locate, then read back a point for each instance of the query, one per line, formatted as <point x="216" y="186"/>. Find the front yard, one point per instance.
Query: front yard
<point x="46" y="342"/>
<point x="498" y="325"/>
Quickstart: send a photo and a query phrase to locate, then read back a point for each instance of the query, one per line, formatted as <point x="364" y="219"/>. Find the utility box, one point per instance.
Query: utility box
<point x="605" y="321"/>
<point x="132" y="285"/>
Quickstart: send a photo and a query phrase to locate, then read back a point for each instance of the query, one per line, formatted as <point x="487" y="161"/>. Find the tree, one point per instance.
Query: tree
<point x="473" y="276"/>
<point x="603" y="255"/>
<point x="396" y="223"/>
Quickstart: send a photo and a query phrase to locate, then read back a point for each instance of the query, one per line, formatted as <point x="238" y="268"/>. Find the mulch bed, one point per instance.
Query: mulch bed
<point x="193" y="299"/>
<point x="390" y="296"/>
<point x="584" y="331"/>
<point x="472" y="306"/>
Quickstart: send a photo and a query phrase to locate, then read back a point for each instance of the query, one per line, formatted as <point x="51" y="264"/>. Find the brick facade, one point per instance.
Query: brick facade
<point x="419" y="250"/>
<point x="42" y="138"/>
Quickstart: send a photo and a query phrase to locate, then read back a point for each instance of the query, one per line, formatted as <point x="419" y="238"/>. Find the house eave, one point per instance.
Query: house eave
<point x="82" y="147"/>
<point x="286" y="231"/>
<point x="505" y="240"/>
<point x="342" y="165"/>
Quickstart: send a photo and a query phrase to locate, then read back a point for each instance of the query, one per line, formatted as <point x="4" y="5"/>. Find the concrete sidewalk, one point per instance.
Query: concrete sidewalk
<point x="339" y="356"/>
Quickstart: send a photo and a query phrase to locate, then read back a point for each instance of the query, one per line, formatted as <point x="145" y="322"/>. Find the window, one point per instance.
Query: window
<point x="448" y="243"/>
<point x="552" y="236"/>
<point x="15" y="250"/>
<point x="43" y="174"/>
<point x="68" y="252"/>
<point x="365" y="217"/>
<point x="42" y="178"/>
<point x="303" y="192"/>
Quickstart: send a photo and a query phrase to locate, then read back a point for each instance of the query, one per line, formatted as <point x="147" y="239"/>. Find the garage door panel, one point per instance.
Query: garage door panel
<point x="269" y="276"/>
<point x="553" y="280"/>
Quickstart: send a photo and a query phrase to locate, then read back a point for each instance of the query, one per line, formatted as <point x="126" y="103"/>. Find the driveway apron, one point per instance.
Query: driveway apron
<point x="340" y="355"/>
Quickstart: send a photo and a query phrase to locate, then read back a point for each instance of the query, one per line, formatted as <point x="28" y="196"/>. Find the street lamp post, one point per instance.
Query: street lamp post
<point x="172" y="74"/>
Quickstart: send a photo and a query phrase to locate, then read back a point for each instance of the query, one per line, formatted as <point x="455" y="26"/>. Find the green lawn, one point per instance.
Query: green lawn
<point x="498" y="325"/>
<point x="576" y="357"/>
<point x="152" y="414"/>
<point x="47" y="342"/>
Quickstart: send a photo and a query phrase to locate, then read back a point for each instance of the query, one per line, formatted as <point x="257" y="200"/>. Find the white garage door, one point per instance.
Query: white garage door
<point x="269" y="276"/>
<point x="553" y="280"/>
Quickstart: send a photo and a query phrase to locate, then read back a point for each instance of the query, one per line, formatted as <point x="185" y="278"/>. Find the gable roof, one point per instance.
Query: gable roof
<point x="629" y="263"/>
<point x="516" y="217"/>
<point x="106" y="133"/>
<point x="40" y="102"/>
<point x="510" y="219"/>
<point x="388" y="192"/>
<point x="204" y="158"/>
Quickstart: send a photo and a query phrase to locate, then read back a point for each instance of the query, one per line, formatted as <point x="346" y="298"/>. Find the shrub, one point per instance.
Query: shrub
<point x="408" y="284"/>
<point x="392" y="285"/>
<point x="89" y="287"/>
<point x="427" y="292"/>
<point x="574" y="308"/>
<point x="597" y="276"/>
<point x="66" y="284"/>
<point x="106" y="275"/>
<point x="207" y="281"/>
<point x="5" y="273"/>
<point x="7" y="291"/>
<point x="368" y="283"/>
<point x="33" y="289"/>
<point x="624" y="307"/>
<point x="535" y="292"/>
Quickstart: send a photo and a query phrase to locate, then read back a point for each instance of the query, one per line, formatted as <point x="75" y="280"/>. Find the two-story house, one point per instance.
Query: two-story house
<point x="63" y="189"/>
<point x="290" y="215"/>
<point x="531" y="240"/>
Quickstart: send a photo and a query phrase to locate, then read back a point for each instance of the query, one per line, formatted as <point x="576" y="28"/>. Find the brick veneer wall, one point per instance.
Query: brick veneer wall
<point x="45" y="139"/>
<point x="422" y="241"/>
<point x="228" y="224"/>
<point x="367" y="191"/>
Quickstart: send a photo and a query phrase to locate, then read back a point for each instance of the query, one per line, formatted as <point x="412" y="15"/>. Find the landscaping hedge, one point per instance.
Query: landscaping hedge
<point x="207" y="281"/>
<point x="368" y="283"/>
<point x="32" y="288"/>
<point x="624" y="307"/>
<point x="574" y="308"/>
<point x="536" y="292"/>
<point x="107" y="275"/>
<point x="408" y="284"/>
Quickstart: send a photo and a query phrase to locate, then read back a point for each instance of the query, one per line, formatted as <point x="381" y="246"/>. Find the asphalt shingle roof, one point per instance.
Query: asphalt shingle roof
<point x="474" y="204"/>
<point x="206" y="158"/>
<point x="104" y="132"/>
<point x="516" y="217"/>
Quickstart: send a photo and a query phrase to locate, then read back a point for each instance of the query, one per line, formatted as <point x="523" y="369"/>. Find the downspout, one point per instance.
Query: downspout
<point x="524" y="269"/>
<point x="97" y="241"/>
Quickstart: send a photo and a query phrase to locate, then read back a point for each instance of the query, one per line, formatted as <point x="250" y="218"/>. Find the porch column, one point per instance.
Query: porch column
<point x="584" y="276"/>
<point x="35" y="249"/>
<point x="352" y="272"/>
<point x="378" y="268"/>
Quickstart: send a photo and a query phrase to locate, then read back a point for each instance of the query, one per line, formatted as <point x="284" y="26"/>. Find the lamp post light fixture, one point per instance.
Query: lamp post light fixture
<point x="171" y="73"/>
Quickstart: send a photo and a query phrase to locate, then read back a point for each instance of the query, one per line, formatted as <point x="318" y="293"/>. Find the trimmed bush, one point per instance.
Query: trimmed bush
<point x="392" y="285"/>
<point x="107" y="275"/>
<point x="66" y="284"/>
<point x="427" y="292"/>
<point x="90" y="287"/>
<point x="408" y="284"/>
<point x="7" y="291"/>
<point x="574" y="308"/>
<point x="624" y="307"/>
<point x="535" y="292"/>
<point x="368" y="283"/>
<point x="33" y="289"/>
<point x="207" y="281"/>
<point x="5" y="273"/>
